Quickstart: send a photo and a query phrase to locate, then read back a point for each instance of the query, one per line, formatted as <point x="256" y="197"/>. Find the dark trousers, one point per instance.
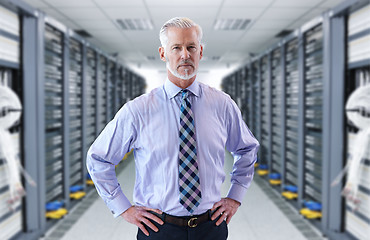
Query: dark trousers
<point x="205" y="231"/>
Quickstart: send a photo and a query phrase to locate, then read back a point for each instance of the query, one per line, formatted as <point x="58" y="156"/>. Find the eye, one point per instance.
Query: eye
<point x="192" y="48"/>
<point x="175" y="48"/>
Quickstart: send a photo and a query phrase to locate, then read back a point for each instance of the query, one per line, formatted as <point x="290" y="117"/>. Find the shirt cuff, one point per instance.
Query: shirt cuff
<point x="119" y="205"/>
<point x="237" y="192"/>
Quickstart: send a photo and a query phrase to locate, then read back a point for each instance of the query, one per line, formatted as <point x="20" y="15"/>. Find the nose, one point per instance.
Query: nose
<point x="185" y="53"/>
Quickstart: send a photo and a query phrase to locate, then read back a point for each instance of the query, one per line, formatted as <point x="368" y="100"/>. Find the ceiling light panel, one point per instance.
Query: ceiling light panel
<point x="231" y="24"/>
<point x="135" y="24"/>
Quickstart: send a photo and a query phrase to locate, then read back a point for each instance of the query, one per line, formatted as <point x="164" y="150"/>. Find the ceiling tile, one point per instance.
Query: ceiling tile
<point x="331" y="3"/>
<point x="270" y="24"/>
<point x="284" y="13"/>
<point x="53" y="13"/>
<point x="119" y="3"/>
<point x="102" y="24"/>
<point x="36" y="3"/>
<point x="240" y="12"/>
<point x="295" y="3"/>
<point x="247" y="3"/>
<point x="190" y="12"/>
<point x="83" y="13"/>
<point x="126" y="12"/>
<point x="70" y="3"/>
<point x="193" y="3"/>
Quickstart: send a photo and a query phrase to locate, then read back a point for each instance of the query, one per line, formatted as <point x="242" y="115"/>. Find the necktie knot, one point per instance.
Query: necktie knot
<point x="184" y="94"/>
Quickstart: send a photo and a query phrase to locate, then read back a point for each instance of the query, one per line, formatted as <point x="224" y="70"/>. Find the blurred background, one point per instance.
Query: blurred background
<point x="298" y="70"/>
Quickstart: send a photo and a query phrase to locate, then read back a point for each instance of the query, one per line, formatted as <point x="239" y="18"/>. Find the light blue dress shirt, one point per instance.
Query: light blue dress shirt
<point x="150" y="125"/>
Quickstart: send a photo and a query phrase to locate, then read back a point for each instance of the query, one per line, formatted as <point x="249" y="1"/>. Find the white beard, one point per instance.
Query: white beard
<point x="186" y="76"/>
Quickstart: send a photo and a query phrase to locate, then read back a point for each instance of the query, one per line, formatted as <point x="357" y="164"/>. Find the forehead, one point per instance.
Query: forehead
<point x="182" y="35"/>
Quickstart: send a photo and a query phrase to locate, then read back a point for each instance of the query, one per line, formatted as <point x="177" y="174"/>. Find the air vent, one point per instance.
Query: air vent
<point x="283" y="33"/>
<point x="135" y="24"/>
<point x="231" y="24"/>
<point x="83" y="33"/>
<point x="150" y="58"/>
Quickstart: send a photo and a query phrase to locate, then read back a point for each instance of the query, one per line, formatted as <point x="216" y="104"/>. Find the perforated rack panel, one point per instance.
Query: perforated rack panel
<point x="53" y="113"/>
<point x="291" y="113"/>
<point x="313" y="102"/>
<point x="265" y="110"/>
<point x="75" y="112"/>
<point x="111" y="90"/>
<point x="256" y="100"/>
<point x="276" y="95"/>
<point x="102" y="89"/>
<point x="90" y="97"/>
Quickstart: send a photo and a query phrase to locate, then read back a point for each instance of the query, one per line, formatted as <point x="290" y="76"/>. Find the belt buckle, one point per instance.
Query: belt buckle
<point x="191" y="222"/>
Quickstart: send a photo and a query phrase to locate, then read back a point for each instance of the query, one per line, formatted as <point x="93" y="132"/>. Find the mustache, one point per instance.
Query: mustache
<point x="187" y="62"/>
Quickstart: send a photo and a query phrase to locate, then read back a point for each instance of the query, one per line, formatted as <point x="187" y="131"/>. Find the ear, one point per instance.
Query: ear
<point x="201" y="52"/>
<point x="161" y="54"/>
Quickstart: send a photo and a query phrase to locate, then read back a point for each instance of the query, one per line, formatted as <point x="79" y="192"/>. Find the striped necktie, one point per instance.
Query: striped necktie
<point x="189" y="184"/>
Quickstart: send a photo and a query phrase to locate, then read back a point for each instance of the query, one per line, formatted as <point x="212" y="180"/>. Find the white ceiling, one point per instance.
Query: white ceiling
<point x="269" y="17"/>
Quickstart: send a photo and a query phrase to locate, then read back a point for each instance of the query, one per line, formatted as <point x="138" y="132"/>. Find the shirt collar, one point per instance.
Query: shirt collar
<point x="172" y="90"/>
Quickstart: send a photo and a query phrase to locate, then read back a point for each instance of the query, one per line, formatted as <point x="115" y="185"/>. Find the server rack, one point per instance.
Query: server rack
<point x="256" y="99"/>
<point x="243" y="91"/>
<point x="290" y="176"/>
<point x="276" y="106"/>
<point x="120" y="92"/>
<point x="102" y="93"/>
<point x="54" y="188"/>
<point x="265" y="145"/>
<point x="312" y="116"/>
<point x="357" y="222"/>
<point x="10" y="220"/>
<point x="111" y="90"/>
<point x="248" y="96"/>
<point x="76" y="155"/>
<point x="91" y="106"/>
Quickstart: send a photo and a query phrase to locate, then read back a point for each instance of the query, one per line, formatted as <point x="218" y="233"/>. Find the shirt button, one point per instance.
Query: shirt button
<point x="112" y="211"/>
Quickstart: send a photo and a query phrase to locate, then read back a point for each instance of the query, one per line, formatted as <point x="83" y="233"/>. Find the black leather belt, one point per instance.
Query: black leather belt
<point x="186" y="221"/>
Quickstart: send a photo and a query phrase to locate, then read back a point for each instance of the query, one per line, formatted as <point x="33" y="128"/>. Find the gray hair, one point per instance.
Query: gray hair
<point x="179" y="22"/>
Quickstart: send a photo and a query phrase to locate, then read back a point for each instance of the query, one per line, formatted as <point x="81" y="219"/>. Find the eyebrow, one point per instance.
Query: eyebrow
<point x="178" y="44"/>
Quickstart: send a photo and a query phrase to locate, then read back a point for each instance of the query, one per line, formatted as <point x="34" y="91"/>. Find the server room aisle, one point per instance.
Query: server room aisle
<point x="258" y="218"/>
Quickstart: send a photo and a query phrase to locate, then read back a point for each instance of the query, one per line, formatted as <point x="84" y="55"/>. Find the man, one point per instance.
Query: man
<point x="179" y="132"/>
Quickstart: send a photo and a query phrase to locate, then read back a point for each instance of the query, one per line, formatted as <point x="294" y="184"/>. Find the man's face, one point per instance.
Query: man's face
<point x="183" y="52"/>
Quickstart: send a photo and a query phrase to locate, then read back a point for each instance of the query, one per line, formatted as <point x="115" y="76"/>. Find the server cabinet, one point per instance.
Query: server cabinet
<point x="256" y="96"/>
<point x="265" y="144"/>
<point x="111" y="110"/>
<point x="120" y="88"/>
<point x="313" y="111"/>
<point x="102" y="93"/>
<point x="53" y="114"/>
<point x="357" y="218"/>
<point x="243" y="94"/>
<point x="76" y="172"/>
<point x="10" y="212"/>
<point x="248" y="96"/>
<point x="276" y="110"/>
<point x="290" y="176"/>
<point x="91" y="106"/>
